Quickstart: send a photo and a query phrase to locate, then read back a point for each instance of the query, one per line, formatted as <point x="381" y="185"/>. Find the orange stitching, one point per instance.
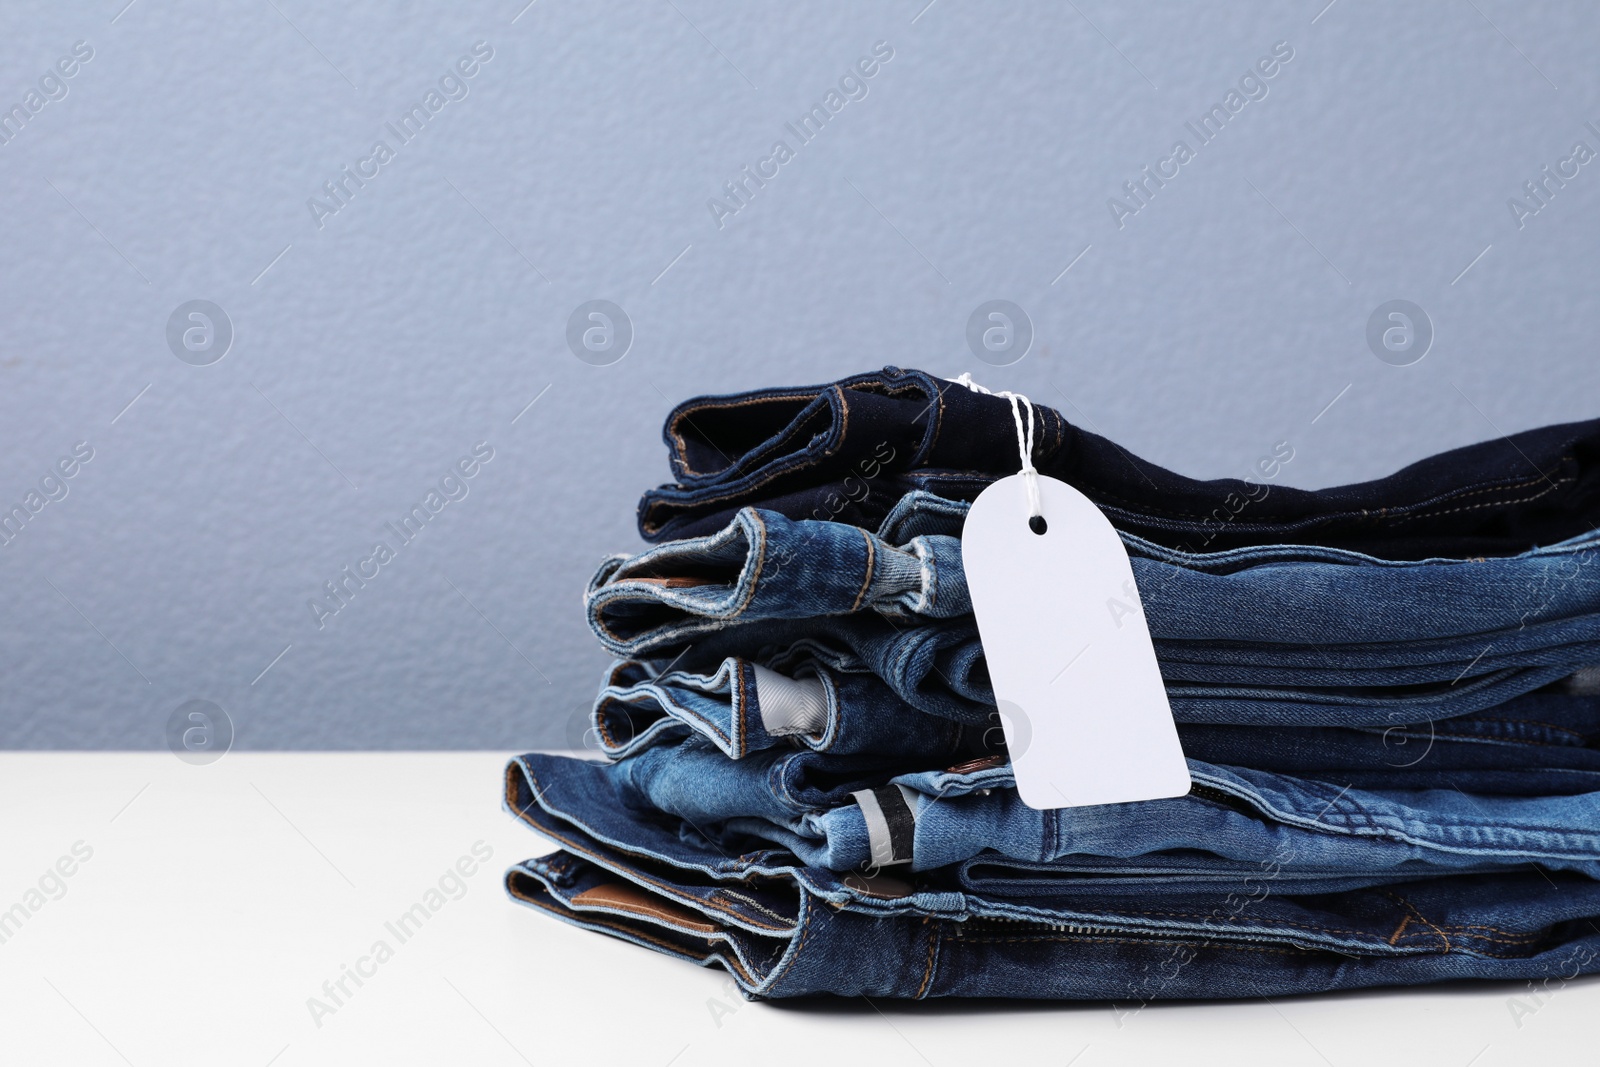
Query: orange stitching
<point x="867" y="581"/>
<point x="683" y="416"/>
<point x="744" y="701"/>
<point x="761" y="560"/>
<point x="1420" y="917"/>
<point x="933" y="942"/>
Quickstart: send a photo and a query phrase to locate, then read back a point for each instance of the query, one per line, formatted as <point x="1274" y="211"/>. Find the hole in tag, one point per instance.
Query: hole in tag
<point x="1037" y="524"/>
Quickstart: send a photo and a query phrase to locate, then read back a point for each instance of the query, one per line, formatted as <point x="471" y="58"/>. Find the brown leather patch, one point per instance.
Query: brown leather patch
<point x="632" y="899"/>
<point x="973" y="766"/>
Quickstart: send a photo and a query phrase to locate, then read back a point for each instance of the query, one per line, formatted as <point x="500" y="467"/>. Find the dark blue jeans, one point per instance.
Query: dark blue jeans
<point x="783" y="929"/>
<point x="849" y="450"/>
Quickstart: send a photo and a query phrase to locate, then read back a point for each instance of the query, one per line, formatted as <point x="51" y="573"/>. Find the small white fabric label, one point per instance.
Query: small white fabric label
<point x="790" y="705"/>
<point x="1074" y="671"/>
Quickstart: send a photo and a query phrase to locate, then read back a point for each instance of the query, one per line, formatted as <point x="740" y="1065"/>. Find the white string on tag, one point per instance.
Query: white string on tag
<point x="1030" y="474"/>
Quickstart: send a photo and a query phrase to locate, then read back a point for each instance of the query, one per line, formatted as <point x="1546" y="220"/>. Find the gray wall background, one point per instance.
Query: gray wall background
<point x="372" y="352"/>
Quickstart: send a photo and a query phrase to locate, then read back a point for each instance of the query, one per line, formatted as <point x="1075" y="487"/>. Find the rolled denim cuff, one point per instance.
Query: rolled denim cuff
<point x="744" y="707"/>
<point x="764" y="566"/>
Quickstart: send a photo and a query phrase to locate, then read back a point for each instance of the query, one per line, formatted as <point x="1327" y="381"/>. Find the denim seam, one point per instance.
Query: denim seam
<point x="1508" y="741"/>
<point x="1509" y="935"/>
<point x="935" y="427"/>
<point x="1381" y="514"/>
<point x="836" y="722"/>
<point x="1527" y="722"/>
<point x="744" y="699"/>
<point x="1412" y="911"/>
<point x="692" y="713"/>
<point x="933" y="944"/>
<point x="809" y="909"/>
<point x="1314" y="927"/>
<point x="608" y="739"/>
<point x="716" y="729"/>
<point x="733" y="490"/>
<point x="844" y="415"/>
<point x="1554" y="486"/>
<point x="928" y="596"/>
<point x="751" y="902"/>
<point x="598" y="720"/>
<point x="866" y="583"/>
<point x="1465" y="933"/>
<point x="1135" y="941"/>
<point x="1357" y="809"/>
<point x="1437" y="834"/>
<point x="760" y="562"/>
<point x="686" y="410"/>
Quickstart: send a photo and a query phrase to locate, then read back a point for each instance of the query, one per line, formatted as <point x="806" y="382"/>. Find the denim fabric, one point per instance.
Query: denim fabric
<point x="765" y="566"/>
<point x="814" y="807"/>
<point x="940" y="669"/>
<point x="1270" y="634"/>
<point x="1174" y="873"/>
<point x="743" y="707"/>
<point x="783" y="930"/>
<point x="1282" y="606"/>
<point x="1545" y="743"/>
<point x="818" y="452"/>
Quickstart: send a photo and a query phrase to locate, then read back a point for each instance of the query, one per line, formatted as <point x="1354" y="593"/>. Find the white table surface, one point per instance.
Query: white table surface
<point x="218" y="899"/>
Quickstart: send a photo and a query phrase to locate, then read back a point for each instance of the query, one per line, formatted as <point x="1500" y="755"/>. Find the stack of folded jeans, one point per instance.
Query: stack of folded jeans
<point x="1388" y="694"/>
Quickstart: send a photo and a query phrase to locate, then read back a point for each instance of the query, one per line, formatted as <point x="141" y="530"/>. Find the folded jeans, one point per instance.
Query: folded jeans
<point x="819" y="451"/>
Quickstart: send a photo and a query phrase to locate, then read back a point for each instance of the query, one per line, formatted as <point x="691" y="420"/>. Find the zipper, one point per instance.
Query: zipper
<point x="1000" y="923"/>
<point x="1006" y="923"/>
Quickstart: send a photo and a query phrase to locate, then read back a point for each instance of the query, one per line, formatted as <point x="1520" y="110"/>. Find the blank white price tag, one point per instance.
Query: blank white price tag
<point x="1074" y="672"/>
